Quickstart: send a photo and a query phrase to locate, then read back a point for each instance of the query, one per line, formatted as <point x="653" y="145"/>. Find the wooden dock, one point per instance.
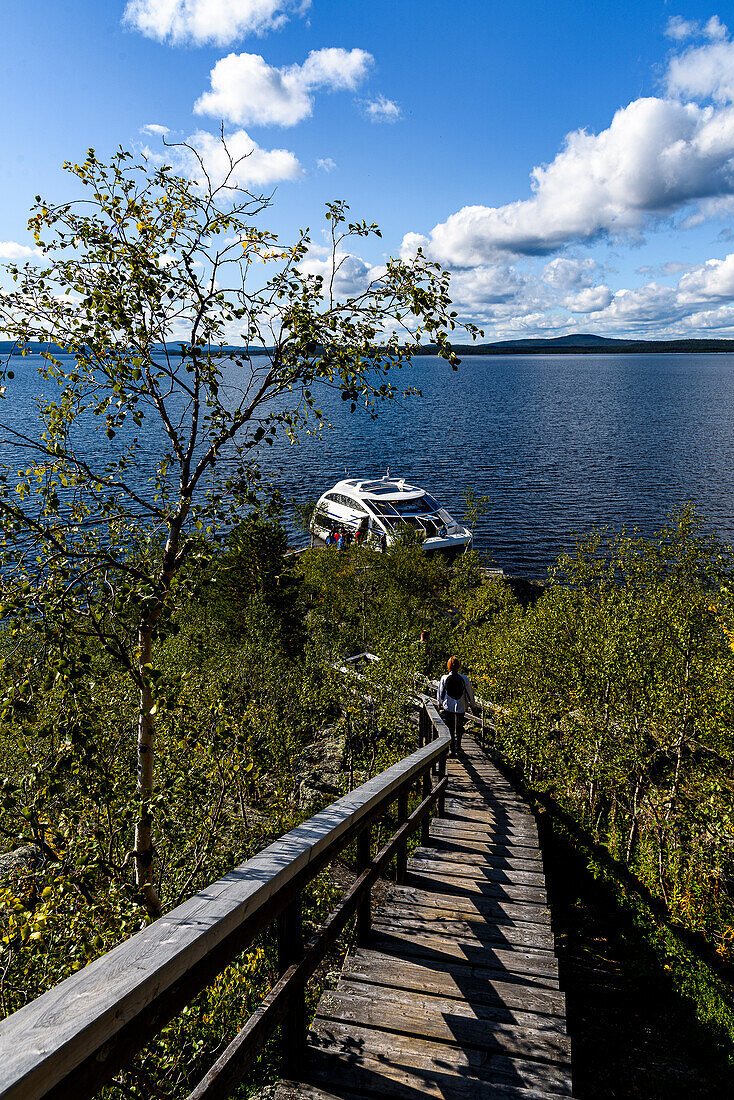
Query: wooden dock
<point x="456" y="995"/>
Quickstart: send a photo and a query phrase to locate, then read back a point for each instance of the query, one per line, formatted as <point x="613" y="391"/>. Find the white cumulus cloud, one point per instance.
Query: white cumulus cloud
<point x="217" y="22"/>
<point x="326" y="164"/>
<point x="660" y="156"/>
<point x="721" y="318"/>
<point x="680" y="29"/>
<point x="382" y="110"/>
<point x="569" y="274"/>
<point x="154" y="129"/>
<point x="645" y="305"/>
<point x="704" y="72"/>
<point x="480" y="287"/>
<point x="11" y="250"/>
<point x="411" y="243"/>
<point x="247" y="91"/>
<point x="257" y="167"/>
<point x="589" y="300"/>
<point x="656" y="156"/>
<point x="352" y="274"/>
<point x="712" y="281"/>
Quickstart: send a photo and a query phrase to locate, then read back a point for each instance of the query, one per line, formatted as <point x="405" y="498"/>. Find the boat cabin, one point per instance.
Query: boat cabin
<point x="374" y="511"/>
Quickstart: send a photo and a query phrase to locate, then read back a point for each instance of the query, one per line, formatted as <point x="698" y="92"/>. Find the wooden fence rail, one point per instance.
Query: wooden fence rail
<point x="73" y="1039"/>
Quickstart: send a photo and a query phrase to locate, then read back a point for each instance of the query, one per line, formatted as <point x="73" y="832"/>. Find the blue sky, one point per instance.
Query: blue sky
<point x="572" y="164"/>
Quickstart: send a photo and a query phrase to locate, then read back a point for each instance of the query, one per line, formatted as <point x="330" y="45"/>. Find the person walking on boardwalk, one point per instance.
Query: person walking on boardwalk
<point x="453" y="696"/>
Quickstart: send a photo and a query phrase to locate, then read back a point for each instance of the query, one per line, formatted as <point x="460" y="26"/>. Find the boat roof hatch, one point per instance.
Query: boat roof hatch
<point x="384" y="489"/>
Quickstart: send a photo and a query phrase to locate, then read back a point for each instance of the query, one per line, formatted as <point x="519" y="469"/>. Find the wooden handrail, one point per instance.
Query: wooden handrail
<point x="71" y="1040"/>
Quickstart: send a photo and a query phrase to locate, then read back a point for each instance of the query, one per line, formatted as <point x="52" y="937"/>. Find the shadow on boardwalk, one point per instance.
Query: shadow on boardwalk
<point x="455" y="995"/>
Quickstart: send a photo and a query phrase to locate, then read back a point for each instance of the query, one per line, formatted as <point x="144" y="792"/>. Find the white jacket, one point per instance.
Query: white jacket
<point x="454" y="706"/>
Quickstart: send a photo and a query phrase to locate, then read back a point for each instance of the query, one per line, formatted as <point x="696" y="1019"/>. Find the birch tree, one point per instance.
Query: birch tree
<point x="183" y="331"/>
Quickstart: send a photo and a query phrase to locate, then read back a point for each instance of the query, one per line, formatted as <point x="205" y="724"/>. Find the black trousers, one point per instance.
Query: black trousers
<point x="456" y="723"/>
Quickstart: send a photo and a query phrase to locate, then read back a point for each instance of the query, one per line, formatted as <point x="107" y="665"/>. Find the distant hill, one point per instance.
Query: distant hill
<point x="589" y="344"/>
<point x="573" y="340"/>
<point x="8" y="346"/>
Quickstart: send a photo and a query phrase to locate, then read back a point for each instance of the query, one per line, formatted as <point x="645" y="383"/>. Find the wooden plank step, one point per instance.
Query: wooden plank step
<point x="482" y="824"/>
<point x="401" y="1057"/>
<point x="411" y="919"/>
<point x="497" y="819"/>
<point x="533" y="967"/>
<point x="451" y="1006"/>
<point x="491" y="851"/>
<point x="463" y="884"/>
<point x="508" y="929"/>
<point x="455" y="811"/>
<point x="470" y="830"/>
<point x="494" y="799"/>
<point x="476" y="772"/>
<point x="473" y="907"/>
<point x="294" y="1090"/>
<point x="465" y="983"/>
<point x="481" y="872"/>
<point x="479" y="780"/>
<point x="517" y="870"/>
<point x="487" y="784"/>
<point x="523" y="942"/>
<point x="437" y="1019"/>
<point x="501" y="823"/>
<point x="437" y="1086"/>
<point x="493" y="908"/>
<point x="475" y="791"/>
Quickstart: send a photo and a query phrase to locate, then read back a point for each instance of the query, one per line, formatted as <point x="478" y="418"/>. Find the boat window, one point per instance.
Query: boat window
<point x="417" y="507"/>
<point x="382" y="508"/>
<point x="346" y="502"/>
<point x="323" y="519"/>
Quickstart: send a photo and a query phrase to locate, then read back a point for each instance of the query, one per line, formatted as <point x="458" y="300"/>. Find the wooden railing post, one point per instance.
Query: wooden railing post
<point x="364" y="912"/>
<point x="401" y="859"/>
<point x="426" y="822"/>
<point x="441" y="807"/>
<point x="423" y="727"/>
<point x="290" y="950"/>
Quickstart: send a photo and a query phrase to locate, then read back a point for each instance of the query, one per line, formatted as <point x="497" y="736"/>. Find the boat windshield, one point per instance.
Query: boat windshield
<point x="420" y="507"/>
<point x="394" y="509"/>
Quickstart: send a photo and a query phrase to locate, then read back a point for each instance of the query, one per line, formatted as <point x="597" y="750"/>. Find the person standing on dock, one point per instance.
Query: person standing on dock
<point x="454" y="694"/>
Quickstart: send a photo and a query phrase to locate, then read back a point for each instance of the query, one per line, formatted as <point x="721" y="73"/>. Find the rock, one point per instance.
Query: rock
<point x="320" y="765"/>
<point x="312" y="791"/>
<point x="28" y="858"/>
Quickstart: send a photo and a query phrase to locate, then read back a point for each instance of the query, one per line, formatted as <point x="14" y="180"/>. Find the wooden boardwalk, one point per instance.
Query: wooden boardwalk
<point x="457" y="994"/>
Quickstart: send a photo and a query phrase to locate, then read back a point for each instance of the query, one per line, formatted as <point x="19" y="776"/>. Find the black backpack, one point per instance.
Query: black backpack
<point x="455" y="686"/>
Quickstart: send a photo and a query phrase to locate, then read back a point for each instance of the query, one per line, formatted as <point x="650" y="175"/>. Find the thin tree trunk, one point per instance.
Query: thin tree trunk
<point x="143" y="829"/>
<point x="634" y="832"/>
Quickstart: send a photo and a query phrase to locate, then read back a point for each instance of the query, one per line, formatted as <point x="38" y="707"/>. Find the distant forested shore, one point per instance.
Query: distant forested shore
<point x="576" y="344"/>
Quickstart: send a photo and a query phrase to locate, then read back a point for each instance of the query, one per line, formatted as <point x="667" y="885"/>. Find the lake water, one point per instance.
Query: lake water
<point x="560" y="444"/>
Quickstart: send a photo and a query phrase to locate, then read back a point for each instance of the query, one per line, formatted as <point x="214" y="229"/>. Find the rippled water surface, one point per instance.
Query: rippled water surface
<point x="560" y="443"/>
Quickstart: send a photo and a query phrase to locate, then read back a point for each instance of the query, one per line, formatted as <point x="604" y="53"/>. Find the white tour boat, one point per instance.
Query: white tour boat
<point x="373" y="512"/>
